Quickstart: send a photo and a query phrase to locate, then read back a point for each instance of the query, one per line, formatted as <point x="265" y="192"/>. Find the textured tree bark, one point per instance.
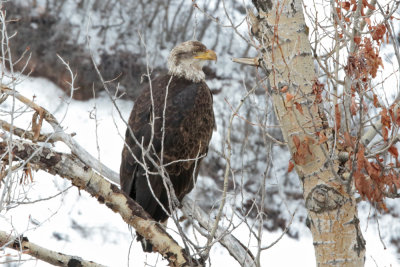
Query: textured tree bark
<point x="50" y="256"/>
<point x="85" y="178"/>
<point x="70" y="167"/>
<point x="282" y="33"/>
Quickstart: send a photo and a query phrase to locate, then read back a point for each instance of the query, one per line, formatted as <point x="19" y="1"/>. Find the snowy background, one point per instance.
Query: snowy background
<point x="75" y="223"/>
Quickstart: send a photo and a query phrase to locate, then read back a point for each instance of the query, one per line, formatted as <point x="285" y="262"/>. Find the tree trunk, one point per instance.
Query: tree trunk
<point x="297" y="97"/>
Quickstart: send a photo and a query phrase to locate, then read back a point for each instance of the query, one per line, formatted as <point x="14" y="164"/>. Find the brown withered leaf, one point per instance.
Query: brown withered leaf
<point x="345" y="5"/>
<point x="322" y="138"/>
<point x="385" y="133"/>
<point x="373" y="170"/>
<point x="339" y="13"/>
<point x="37" y="124"/>
<point x="376" y="101"/>
<point x="355" y="66"/>
<point x="364" y="188"/>
<point x="360" y="158"/>
<point x="317" y="90"/>
<point x="290" y="166"/>
<point x="296" y="141"/>
<point x="395" y="180"/>
<point x="357" y="39"/>
<point x="397" y="116"/>
<point x="303" y="154"/>
<point x="299" y="107"/>
<point x="289" y="97"/>
<point x="378" y="158"/>
<point x="353" y="106"/>
<point x="385" y="119"/>
<point x="348" y="141"/>
<point x="394" y="114"/>
<point x="309" y="140"/>
<point x="367" y="188"/>
<point x="393" y="150"/>
<point x="366" y="4"/>
<point x="337" y="117"/>
<point x="371" y="56"/>
<point x="378" y="32"/>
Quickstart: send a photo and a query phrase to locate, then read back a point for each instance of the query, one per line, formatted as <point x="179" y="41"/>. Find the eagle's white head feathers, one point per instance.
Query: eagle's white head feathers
<point x="187" y="59"/>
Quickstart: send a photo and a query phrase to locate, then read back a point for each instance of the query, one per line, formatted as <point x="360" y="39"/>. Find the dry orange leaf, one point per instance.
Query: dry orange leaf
<point x="360" y="158"/>
<point x="385" y="119"/>
<point x="337" y="116"/>
<point x="290" y="166"/>
<point x="366" y="4"/>
<point x="303" y="155"/>
<point x="378" y="32"/>
<point x="348" y="142"/>
<point x="393" y="150"/>
<point x="385" y="133"/>
<point x="299" y="107"/>
<point x="296" y="141"/>
<point x="376" y="102"/>
<point x="289" y="97"/>
<point x="345" y="5"/>
<point x="317" y="90"/>
<point x="322" y="138"/>
<point x="353" y="106"/>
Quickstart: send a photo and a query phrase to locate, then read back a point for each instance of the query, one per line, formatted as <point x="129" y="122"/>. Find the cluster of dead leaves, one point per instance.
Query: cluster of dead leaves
<point x="372" y="181"/>
<point x="303" y="153"/>
<point x="371" y="56"/>
<point x="378" y="32"/>
<point x="351" y="6"/>
<point x="389" y="116"/>
<point x="365" y="63"/>
<point x="374" y="178"/>
<point x="317" y="89"/>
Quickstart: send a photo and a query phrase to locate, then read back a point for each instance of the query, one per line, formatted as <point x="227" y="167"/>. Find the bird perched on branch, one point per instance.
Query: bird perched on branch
<point x="170" y="128"/>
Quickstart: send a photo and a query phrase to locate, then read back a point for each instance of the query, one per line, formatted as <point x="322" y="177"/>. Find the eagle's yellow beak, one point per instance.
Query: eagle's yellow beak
<point x="208" y="55"/>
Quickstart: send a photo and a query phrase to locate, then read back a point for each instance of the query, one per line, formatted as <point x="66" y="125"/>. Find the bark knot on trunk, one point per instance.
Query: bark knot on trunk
<point x="324" y="198"/>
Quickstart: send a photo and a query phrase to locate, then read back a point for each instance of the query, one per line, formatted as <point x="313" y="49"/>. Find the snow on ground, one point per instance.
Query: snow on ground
<point x="76" y="224"/>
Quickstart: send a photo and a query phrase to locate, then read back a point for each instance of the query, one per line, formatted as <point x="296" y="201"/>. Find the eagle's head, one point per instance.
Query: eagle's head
<point x="187" y="60"/>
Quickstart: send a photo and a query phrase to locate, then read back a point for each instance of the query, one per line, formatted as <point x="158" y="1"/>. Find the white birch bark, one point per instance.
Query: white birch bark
<point x="282" y="34"/>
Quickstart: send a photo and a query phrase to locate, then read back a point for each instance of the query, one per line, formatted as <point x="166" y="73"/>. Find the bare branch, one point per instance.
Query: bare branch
<point x="60" y="135"/>
<point x="253" y="61"/>
<point x="239" y="251"/>
<point x="26" y="134"/>
<point x="22" y="244"/>
<point x="71" y="168"/>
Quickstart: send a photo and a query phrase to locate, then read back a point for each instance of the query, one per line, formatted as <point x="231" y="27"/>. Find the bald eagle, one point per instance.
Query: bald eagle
<point x="172" y="119"/>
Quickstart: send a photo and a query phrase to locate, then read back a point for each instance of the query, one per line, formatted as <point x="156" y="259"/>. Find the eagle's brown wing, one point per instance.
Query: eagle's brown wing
<point x="189" y="122"/>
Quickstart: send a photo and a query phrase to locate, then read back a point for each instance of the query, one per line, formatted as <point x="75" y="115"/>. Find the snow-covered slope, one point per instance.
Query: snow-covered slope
<point x="75" y="223"/>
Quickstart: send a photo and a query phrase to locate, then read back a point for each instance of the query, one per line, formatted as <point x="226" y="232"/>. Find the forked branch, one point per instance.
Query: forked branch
<point x="82" y="176"/>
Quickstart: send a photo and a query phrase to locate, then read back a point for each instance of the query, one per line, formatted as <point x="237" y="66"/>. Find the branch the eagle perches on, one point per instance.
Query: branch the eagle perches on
<point x="87" y="173"/>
